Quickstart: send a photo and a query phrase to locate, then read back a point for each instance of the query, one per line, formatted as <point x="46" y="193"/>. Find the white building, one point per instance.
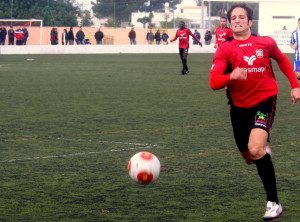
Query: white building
<point x="83" y="4"/>
<point x="274" y="15"/>
<point x="86" y="5"/>
<point x="187" y="9"/>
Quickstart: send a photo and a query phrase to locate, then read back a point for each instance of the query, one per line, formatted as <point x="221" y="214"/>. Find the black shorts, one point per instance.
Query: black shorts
<point x="245" y="119"/>
<point x="183" y="51"/>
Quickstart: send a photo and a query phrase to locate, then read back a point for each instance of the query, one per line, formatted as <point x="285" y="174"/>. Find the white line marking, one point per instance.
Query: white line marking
<point x="83" y="140"/>
<point x="77" y="154"/>
<point x="139" y="146"/>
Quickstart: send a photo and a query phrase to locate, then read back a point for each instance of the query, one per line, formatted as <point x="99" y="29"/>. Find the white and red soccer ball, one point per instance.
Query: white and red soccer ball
<point x="144" y="167"/>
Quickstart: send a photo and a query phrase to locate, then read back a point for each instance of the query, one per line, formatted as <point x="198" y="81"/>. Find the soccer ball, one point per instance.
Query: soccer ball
<point x="144" y="167"/>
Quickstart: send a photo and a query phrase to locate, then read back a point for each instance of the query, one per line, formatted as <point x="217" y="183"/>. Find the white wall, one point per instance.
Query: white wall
<point x="273" y="27"/>
<point x="107" y="49"/>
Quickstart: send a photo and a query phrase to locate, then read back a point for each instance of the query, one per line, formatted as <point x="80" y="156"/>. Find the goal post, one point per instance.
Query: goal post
<point x="34" y="27"/>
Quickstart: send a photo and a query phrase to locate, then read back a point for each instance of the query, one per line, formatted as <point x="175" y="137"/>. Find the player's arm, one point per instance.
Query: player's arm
<point x="175" y="38"/>
<point x="293" y="46"/>
<point x="221" y="72"/>
<point x="218" y="79"/>
<point x="292" y="43"/>
<point x="287" y="69"/>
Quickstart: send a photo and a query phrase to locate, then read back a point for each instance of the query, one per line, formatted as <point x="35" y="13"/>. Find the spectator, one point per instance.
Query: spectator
<point x="150" y="37"/>
<point x="11" y="36"/>
<point x="207" y="37"/>
<point x="26" y="35"/>
<point x="132" y="36"/>
<point x="54" y="36"/>
<point x="165" y="38"/>
<point x="197" y="34"/>
<point x="71" y="36"/>
<point x="64" y="37"/>
<point x="3" y="34"/>
<point x="157" y="37"/>
<point x="19" y="34"/>
<point x="80" y="37"/>
<point x="99" y="36"/>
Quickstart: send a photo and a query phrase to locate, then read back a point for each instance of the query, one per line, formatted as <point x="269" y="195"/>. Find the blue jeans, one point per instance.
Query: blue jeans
<point x="132" y="42"/>
<point x="99" y="42"/>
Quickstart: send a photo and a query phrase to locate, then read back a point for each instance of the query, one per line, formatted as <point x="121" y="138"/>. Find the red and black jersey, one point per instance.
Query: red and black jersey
<point x="223" y="34"/>
<point x="183" y="35"/>
<point x="253" y="55"/>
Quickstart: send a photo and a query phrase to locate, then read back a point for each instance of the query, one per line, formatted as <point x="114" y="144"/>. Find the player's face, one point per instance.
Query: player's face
<point x="240" y="25"/>
<point x="223" y="22"/>
<point x="181" y="25"/>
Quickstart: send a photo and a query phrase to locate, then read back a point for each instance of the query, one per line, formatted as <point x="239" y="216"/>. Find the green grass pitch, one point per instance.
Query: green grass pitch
<point x="70" y="123"/>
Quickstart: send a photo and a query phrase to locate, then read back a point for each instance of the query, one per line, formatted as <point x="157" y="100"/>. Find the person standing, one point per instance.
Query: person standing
<point x="64" y="37"/>
<point x="207" y="37"/>
<point x="3" y="34"/>
<point x="132" y="36"/>
<point x="19" y="35"/>
<point x="157" y="37"/>
<point x="197" y="34"/>
<point x="26" y="35"/>
<point x="165" y="38"/>
<point x="223" y="33"/>
<point x="54" y="36"/>
<point x="80" y="37"/>
<point x="184" y="34"/>
<point x="11" y="36"/>
<point x="244" y="66"/>
<point x="71" y="37"/>
<point x="295" y="44"/>
<point x="99" y="36"/>
<point x="150" y="37"/>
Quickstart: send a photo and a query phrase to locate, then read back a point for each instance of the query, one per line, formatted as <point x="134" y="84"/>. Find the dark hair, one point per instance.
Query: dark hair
<point x="223" y="17"/>
<point x="243" y="6"/>
<point x="298" y="19"/>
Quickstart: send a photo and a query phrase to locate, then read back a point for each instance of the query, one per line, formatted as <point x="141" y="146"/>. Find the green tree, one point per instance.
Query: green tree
<point x="121" y="10"/>
<point x="144" y="21"/>
<point x="86" y="19"/>
<point x="52" y="12"/>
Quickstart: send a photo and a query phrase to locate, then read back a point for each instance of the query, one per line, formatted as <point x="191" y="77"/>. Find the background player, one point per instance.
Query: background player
<point x="252" y="91"/>
<point x="223" y="33"/>
<point x="183" y="34"/>
<point x="295" y="44"/>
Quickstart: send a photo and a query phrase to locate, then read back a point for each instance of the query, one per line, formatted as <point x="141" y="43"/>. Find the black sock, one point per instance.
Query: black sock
<point x="184" y="63"/>
<point x="266" y="172"/>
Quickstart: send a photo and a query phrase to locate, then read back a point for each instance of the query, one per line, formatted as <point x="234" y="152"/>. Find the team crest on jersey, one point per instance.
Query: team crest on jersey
<point x="259" y="53"/>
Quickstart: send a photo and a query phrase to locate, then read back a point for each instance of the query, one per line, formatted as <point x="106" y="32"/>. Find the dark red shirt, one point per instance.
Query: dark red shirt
<point x="253" y="55"/>
<point x="183" y="35"/>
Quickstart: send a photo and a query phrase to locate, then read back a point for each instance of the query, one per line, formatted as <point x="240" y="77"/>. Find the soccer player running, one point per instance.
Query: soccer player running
<point x="295" y="44"/>
<point x="223" y="33"/>
<point x="183" y="34"/>
<point x="252" y="95"/>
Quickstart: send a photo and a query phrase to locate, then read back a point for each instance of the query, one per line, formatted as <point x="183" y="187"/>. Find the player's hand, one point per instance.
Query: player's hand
<point x="238" y="74"/>
<point x="216" y="46"/>
<point x="200" y="44"/>
<point x="295" y="95"/>
<point x="171" y="40"/>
